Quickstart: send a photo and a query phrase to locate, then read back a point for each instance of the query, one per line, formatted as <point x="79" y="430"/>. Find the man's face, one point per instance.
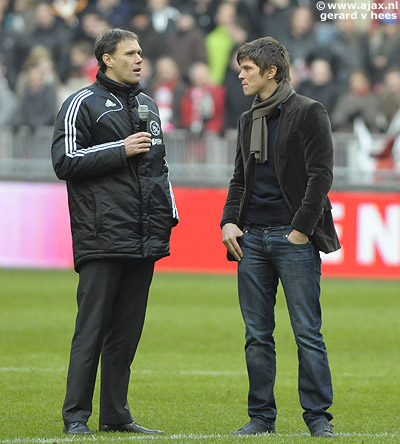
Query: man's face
<point x="124" y="65"/>
<point x="253" y="83"/>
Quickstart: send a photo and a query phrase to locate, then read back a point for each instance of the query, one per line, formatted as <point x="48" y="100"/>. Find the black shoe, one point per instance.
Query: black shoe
<point x="77" y="428"/>
<point x="322" y="429"/>
<point x="131" y="427"/>
<point x="254" y="428"/>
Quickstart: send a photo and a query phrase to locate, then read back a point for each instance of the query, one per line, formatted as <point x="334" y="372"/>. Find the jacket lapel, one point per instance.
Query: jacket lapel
<point x="285" y="123"/>
<point x="284" y="131"/>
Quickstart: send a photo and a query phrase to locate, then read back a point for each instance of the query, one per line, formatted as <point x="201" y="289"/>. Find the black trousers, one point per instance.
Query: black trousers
<point x="112" y="299"/>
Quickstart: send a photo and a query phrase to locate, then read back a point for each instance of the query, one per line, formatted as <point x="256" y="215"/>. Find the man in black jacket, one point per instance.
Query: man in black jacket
<point x="276" y="219"/>
<point x="122" y="210"/>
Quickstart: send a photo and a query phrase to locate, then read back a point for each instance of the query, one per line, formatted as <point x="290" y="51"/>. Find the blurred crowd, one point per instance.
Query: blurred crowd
<point x="351" y="64"/>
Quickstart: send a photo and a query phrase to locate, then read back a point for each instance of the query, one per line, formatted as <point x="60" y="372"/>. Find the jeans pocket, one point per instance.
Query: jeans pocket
<point x="295" y="244"/>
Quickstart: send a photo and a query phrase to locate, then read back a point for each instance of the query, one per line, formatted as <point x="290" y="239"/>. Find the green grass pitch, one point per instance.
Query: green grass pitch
<point x="189" y="377"/>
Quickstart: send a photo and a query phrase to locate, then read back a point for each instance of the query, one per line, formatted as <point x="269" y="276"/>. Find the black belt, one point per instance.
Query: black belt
<point x="266" y="228"/>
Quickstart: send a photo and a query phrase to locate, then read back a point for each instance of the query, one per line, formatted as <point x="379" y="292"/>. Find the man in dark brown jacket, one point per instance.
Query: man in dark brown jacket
<point x="276" y="219"/>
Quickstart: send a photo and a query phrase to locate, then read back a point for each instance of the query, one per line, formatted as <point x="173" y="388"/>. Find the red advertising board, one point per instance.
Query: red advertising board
<point x="368" y="225"/>
<point x="35" y="232"/>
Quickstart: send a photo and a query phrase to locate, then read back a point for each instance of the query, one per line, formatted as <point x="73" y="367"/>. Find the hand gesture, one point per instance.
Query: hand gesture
<point x="137" y="143"/>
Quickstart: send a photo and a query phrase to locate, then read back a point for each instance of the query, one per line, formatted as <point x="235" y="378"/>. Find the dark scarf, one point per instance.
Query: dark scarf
<point x="262" y="110"/>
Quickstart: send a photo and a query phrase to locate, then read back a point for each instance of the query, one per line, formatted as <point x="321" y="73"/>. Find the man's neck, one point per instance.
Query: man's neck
<point x="269" y="91"/>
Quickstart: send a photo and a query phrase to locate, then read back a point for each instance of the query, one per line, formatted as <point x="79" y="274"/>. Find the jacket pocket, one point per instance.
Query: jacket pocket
<point x="86" y="214"/>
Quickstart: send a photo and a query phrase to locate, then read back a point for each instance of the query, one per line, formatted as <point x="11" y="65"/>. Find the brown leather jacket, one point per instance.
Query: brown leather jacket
<point x="304" y="168"/>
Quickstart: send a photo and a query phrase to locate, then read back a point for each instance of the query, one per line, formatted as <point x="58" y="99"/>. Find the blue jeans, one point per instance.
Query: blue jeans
<point x="267" y="257"/>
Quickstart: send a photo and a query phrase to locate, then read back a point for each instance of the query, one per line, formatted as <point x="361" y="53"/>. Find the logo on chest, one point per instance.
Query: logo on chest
<point x="110" y="103"/>
<point x="154" y="128"/>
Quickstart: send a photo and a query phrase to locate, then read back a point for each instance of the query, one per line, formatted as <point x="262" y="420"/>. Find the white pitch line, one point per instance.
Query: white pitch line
<point x="149" y="372"/>
<point x="33" y="369"/>
<point x="182" y="372"/>
<point x="195" y="372"/>
<point x="181" y="436"/>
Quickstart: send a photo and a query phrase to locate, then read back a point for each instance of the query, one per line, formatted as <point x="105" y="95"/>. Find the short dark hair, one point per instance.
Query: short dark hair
<point x="266" y="52"/>
<point x="108" y="41"/>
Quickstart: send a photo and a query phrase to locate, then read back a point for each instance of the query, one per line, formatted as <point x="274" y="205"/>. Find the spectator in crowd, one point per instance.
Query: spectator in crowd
<point x="349" y="46"/>
<point x="275" y="17"/>
<point x="163" y="15"/>
<point x="8" y="102"/>
<point x="11" y="53"/>
<point x="116" y="12"/>
<point x="82" y="70"/>
<point x="20" y="18"/>
<point x="18" y="21"/>
<point x="186" y="45"/>
<point x="204" y="12"/>
<point x="4" y="12"/>
<point x="68" y="10"/>
<point x="91" y="25"/>
<point x="389" y="97"/>
<point x="248" y="12"/>
<point x="359" y="101"/>
<point x="41" y="56"/>
<point x="295" y="78"/>
<point x="384" y="49"/>
<point x="221" y="41"/>
<point x="53" y="33"/>
<point x="168" y="89"/>
<point x="300" y="40"/>
<point x="147" y="76"/>
<point x="203" y="104"/>
<point x="152" y="42"/>
<point x="391" y="14"/>
<point x="38" y="104"/>
<point x="235" y="103"/>
<point x="321" y="85"/>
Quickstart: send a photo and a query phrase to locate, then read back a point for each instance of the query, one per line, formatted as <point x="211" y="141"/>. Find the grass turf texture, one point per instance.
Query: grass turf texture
<point x="189" y="377"/>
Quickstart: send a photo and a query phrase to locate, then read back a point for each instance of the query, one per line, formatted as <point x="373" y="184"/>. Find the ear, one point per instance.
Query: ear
<point x="271" y="71"/>
<point x="107" y="59"/>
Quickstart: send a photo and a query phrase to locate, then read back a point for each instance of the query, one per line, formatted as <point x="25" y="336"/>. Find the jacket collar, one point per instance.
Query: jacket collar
<point x="290" y="104"/>
<point x="116" y="87"/>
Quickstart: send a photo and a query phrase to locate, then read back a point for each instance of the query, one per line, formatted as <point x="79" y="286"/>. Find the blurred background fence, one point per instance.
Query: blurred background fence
<point x="197" y="161"/>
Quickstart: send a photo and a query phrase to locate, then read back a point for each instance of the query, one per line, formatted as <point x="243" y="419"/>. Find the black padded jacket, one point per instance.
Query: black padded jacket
<point x="119" y="207"/>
